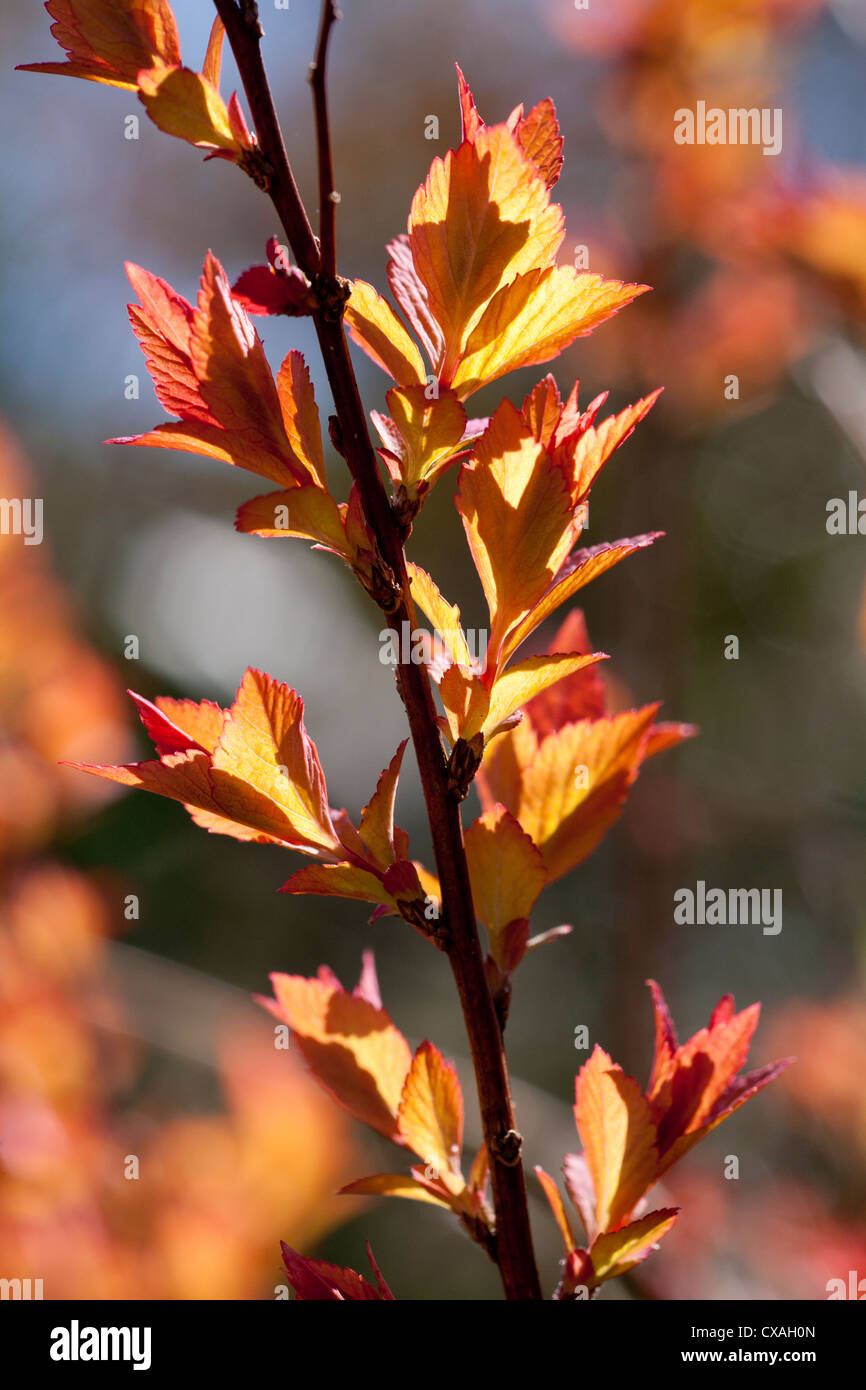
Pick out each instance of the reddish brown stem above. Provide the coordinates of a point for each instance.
(328, 196)
(514, 1252)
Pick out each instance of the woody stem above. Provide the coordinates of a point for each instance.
(514, 1252)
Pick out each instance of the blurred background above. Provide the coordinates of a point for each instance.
(131, 943)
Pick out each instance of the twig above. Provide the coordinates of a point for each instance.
(328, 196)
(515, 1254)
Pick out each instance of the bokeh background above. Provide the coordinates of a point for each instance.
(136, 1035)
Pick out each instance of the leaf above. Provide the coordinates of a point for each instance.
(377, 818)
(470, 119)
(340, 881)
(430, 1118)
(580, 695)
(538, 135)
(314, 1280)
(110, 41)
(618, 1136)
(520, 684)
(411, 296)
(696, 1086)
(264, 290)
(264, 742)
(209, 367)
(429, 432)
(392, 1185)
(533, 318)
(184, 104)
(482, 217)
(506, 872)
(578, 1185)
(301, 416)
(261, 775)
(575, 788)
(517, 515)
(443, 616)
(551, 1192)
(615, 1252)
(374, 326)
(306, 512)
(229, 362)
(351, 1047)
(596, 444)
(212, 65)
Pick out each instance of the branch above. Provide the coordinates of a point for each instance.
(241, 21)
(328, 196)
(514, 1250)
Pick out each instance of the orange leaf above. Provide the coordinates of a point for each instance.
(301, 415)
(110, 41)
(517, 514)
(618, 1135)
(377, 818)
(307, 512)
(430, 1118)
(575, 788)
(350, 1046)
(374, 326)
(411, 296)
(551, 1192)
(210, 68)
(340, 881)
(393, 1185)
(482, 217)
(538, 135)
(505, 869)
(596, 444)
(209, 367)
(261, 775)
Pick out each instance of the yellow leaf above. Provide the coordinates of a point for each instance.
(183, 103)
(615, 1252)
(430, 1118)
(533, 318)
(430, 429)
(466, 701)
(443, 616)
(515, 687)
(375, 327)
(580, 569)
